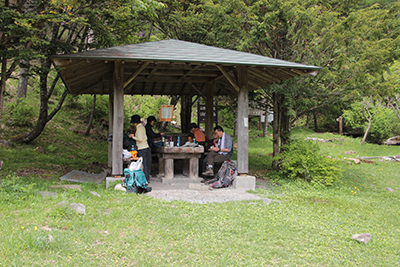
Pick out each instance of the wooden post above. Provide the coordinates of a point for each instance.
(209, 109)
(161, 165)
(340, 120)
(243, 122)
(276, 125)
(186, 113)
(169, 168)
(110, 124)
(194, 167)
(118, 121)
(265, 126)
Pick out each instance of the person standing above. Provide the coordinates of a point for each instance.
(143, 147)
(151, 120)
(219, 154)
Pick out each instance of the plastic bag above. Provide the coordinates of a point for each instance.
(136, 165)
(126, 154)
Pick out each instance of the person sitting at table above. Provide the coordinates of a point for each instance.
(212, 142)
(143, 148)
(198, 134)
(221, 153)
(151, 120)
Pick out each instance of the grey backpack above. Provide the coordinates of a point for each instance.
(225, 176)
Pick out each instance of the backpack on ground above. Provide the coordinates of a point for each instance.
(135, 181)
(225, 176)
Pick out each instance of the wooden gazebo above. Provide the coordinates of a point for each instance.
(173, 67)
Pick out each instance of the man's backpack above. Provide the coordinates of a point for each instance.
(225, 176)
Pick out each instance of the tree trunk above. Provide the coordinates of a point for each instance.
(366, 132)
(315, 122)
(285, 127)
(308, 121)
(91, 116)
(2, 83)
(45, 95)
(23, 79)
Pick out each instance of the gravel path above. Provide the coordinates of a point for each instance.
(203, 196)
(191, 190)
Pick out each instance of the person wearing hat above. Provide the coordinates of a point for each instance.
(142, 146)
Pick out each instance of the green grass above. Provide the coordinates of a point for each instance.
(312, 226)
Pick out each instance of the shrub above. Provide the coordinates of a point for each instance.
(23, 112)
(385, 124)
(301, 160)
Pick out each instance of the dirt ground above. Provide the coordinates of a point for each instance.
(192, 190)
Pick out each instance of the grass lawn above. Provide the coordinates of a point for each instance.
(311, 226)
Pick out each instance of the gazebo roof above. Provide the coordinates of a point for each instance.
(171, 67)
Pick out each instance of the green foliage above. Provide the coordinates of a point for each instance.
(385, 124)
(227, 117)
(13, 187)
(144, 106)
(353, 117)
(301, 160)
(101, 109)
(23, 112)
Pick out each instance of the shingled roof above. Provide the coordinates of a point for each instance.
(171, 67)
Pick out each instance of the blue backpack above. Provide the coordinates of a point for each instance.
(135, 178)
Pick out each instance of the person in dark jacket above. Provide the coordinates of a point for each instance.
(151, 120)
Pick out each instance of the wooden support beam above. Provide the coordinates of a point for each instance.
(110, 123)
(198, 91)
(155, 68)
(209, 109)
(243, 122)
(189, 72)
(228, 77)
(182, 88)
(118, 118)
(186, 112)
(136, 73)
(195, 100)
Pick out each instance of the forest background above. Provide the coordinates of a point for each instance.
(355, 42)
(305, 224)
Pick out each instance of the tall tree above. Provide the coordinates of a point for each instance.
(64, 26)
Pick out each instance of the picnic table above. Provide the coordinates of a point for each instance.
(190, 156)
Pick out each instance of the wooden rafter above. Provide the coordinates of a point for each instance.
(136, 73)
(197, 90)
(229, 78)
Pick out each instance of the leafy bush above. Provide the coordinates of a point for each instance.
(301, 160)
(385, 124)
(23, 112)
